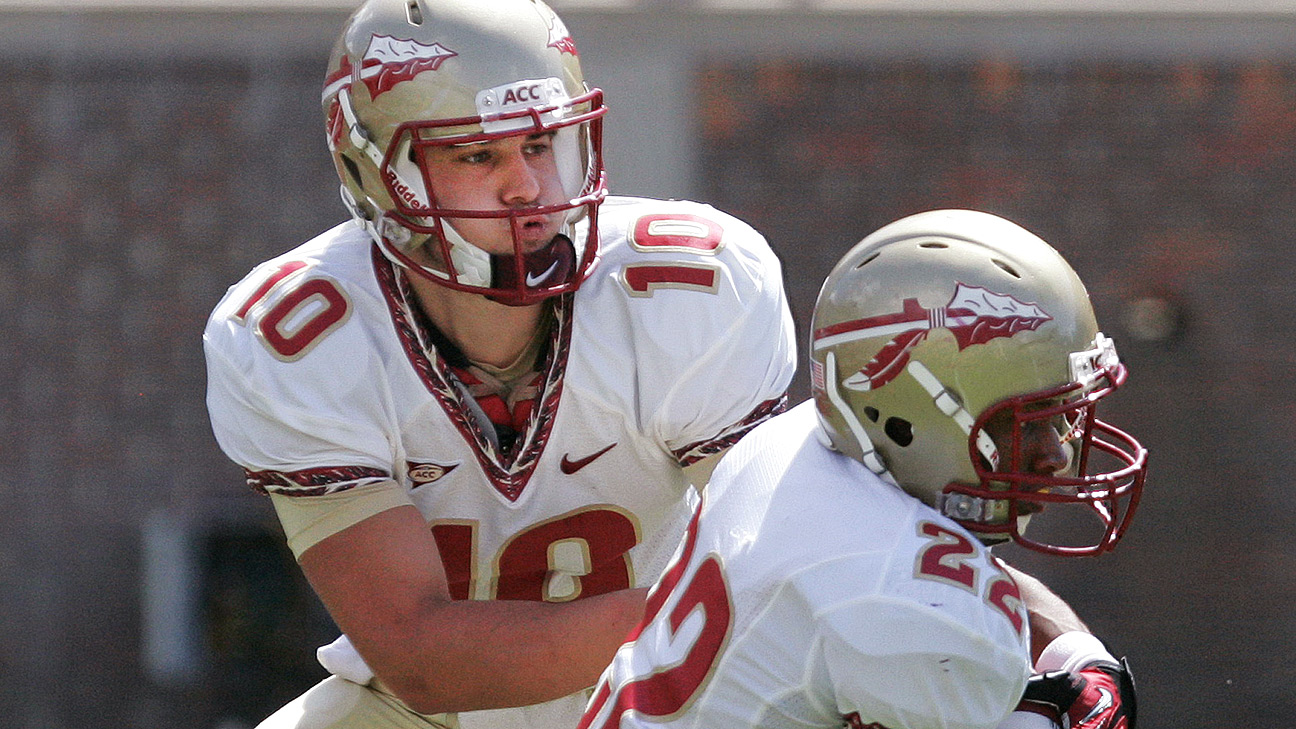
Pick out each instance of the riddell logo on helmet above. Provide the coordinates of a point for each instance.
(403, 191)
(974, 315)
(388, 61)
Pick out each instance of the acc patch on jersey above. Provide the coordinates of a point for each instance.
(422, 474)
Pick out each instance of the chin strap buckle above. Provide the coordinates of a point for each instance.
(963, 507)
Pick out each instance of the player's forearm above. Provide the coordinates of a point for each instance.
(469, 655)
(382, 581)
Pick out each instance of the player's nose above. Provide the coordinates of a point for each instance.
(519, 182)
(1042, 448)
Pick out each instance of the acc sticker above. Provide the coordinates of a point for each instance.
(422, 474)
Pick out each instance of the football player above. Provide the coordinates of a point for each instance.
(479, 406)
(837, 572)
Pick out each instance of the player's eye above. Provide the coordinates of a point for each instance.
(539, 144)
(1069, 423)
(474, 159)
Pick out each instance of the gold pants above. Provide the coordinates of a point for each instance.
(336, 703)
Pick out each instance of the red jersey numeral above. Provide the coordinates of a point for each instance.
(704, 602)
(526, 567)
(1003, 593)
(673, 232)
(642, 279)
(946, 559)
(676, 231)
(301, 317)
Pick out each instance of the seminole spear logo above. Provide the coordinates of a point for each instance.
(974, 315)
(387, 61)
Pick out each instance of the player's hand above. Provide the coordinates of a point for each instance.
(1100, 696)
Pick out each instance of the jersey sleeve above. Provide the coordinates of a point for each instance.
(306, 522)
(932, 638)
(734, 345)
(311, 425)
(288, 416)
(750, 364)
(924, 670)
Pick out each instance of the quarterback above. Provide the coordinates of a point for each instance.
(837, 572)
(480, 406)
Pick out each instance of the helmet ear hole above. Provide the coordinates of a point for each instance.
(899, 430)
(871, 413)
(352, 170)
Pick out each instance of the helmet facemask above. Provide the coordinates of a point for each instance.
(431, 238)
(1100, 483)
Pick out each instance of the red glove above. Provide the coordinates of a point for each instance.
(1100, 696)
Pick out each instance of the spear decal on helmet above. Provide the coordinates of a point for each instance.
(389, 61)
(974, 315)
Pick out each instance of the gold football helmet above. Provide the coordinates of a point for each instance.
(408, 77)
(940, 341)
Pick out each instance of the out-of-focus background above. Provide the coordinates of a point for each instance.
(151, 152)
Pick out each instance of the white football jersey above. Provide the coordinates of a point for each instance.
(322, 379)
(809, 593)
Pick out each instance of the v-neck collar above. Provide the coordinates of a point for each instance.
(429, 352)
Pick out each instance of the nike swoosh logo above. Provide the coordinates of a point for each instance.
(533, 280)
(1104, 703)
(569, 466)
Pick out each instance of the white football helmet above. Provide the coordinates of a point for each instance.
(409, 76)
(946, 321)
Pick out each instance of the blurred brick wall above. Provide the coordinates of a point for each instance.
(135, 193)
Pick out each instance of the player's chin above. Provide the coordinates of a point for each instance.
(1026, 508)
(540, 228)
(538, 239)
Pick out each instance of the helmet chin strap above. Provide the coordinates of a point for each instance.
(474, 267)
(472, 264)
(870, 457)
(950, 406)
(962, 507)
